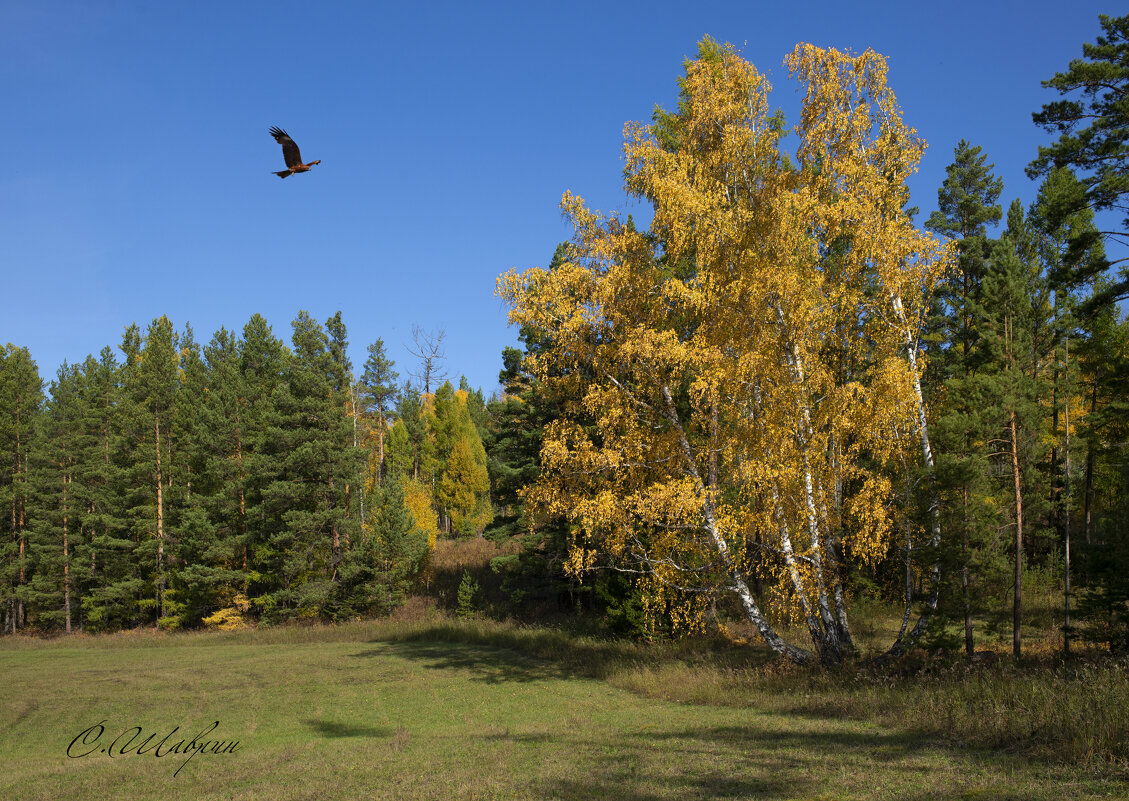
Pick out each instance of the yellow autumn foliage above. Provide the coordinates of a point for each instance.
(417, 498)
(230, 618)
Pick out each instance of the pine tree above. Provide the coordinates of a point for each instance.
(346, 472)
(378, 394)
(21, 397)
(1011, 310)
(56, 526)
(518, 421)
(967, 205)
(304, 502)
(109, 567)
(1093, 128)
(263, 364)
(1104, 601)
(209, 480)
(419, 447)
(1060, 237)
(150, 383)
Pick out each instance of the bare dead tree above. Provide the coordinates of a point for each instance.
(427, 347)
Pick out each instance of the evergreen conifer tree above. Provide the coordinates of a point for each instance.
(56, 521)
(967, 205)
(21, 397)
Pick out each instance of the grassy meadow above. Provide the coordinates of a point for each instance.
(429, 707)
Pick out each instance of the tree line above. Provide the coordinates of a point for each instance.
(242, 480)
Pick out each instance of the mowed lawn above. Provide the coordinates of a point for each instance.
(349, 713)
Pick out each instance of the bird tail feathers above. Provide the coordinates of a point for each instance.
(283, 173)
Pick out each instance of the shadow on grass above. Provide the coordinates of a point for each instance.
(502, 653)
(820, 702)
(329, 728)
(760, 762)
(485, 663)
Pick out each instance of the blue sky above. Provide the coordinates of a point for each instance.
(138, 175)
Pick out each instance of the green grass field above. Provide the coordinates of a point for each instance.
(445, 710)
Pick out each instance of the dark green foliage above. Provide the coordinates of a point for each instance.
(1093, 126)
(968, 202)
(184, 481)
(377, 394)
(379, 571)
(534, 578)
(1104, 604)
(306, 507)
(476, 406)
(150, 383)
(212, 526)
(105, 553)
(516, 421)
(1103, 491)
(53, 531)
(413, 452)
(378, 381)
(21, 396)
(467, 599)
(623, 609)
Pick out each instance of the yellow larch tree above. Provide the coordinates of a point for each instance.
(736, 375)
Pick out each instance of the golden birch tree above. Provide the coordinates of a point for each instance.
(741, 369)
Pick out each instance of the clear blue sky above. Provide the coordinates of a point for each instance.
(137, 179)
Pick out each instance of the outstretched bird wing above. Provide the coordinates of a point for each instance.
(290, 153)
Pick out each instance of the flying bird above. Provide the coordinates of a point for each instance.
(290, 154)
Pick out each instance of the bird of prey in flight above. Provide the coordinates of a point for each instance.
(290, 154)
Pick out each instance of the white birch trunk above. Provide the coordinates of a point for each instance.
(826, 636)
(739, 585)
(901, 645)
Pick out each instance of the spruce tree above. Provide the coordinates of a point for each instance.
(392, 550)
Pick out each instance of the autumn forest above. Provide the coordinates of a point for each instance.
(787, 396)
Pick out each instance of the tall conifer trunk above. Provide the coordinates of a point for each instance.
(336, 556)
(1017, 481)
(160, 522)
(1017, 607)
(1066, 514)
(1088, 488)
(242, 505)
(66, 561)
(966, 599)
(19, 519)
